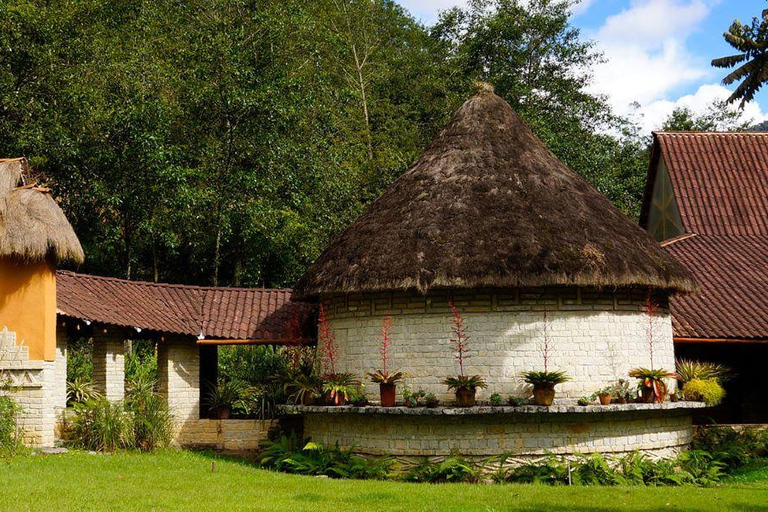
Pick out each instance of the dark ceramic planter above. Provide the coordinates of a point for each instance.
(465, 397)
(388, 394)
(543, 395)
(223, 413)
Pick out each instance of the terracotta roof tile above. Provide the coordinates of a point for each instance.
(218, 313)
(733, 274)
(720, 180)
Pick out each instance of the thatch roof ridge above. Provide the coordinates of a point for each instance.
(488, 205)
(32, 226)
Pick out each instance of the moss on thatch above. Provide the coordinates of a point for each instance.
(32, 226)
(488, 205)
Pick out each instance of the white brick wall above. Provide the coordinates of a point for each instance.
(595, 338)
(36, 386)
(109, 365)
(661, 433)
(178, 366)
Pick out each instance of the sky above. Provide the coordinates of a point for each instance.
(658, 52)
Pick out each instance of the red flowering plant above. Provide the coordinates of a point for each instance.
(651, 383)
(464, 385)
(337, 386)
(383, 375)
(302, 384)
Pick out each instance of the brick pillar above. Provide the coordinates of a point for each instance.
(109, 364)
(60, 375)
(178, 371)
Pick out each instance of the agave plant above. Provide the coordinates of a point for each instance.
(545, 379)
(470, 382)
(304, 388)
(338, 386)
(385, 377)
(80, 391)
(652, 383)
(688, 370)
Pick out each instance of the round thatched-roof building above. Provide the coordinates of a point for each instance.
(489, 219)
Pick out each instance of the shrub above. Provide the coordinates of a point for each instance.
(313, 459)
(80, 360)
(708, 391)
(515, 401)
(80, 391)
(10, 438)
(688, 370)
(101, 425)
(732, 447)
(152, 419)
(551, 471)
(453, 469)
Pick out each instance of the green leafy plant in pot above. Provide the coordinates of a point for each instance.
(222, 397)
(544, 383)
(338, 387)
(651, 384)
(304, 389)
(465, 386)
(386, 380)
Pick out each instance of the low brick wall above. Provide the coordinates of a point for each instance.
(662, 430)
(230, 435)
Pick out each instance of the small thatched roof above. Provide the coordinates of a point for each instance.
(488, 205)
(32, 226)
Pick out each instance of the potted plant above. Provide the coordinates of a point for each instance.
(465, 386)
(387, 381)
(651, 384)
(622, 392)
(544, 384)
(515, 401)
(338, 386)
(431, 401)
(495, 400)
(304, 389)
(604, 395)
(411, 399)
(222, 397)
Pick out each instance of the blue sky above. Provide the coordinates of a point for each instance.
(658, 51)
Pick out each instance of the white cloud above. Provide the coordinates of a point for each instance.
(656, 112)
(582, 7)
(427, 10)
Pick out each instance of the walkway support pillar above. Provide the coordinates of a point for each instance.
(109, 363)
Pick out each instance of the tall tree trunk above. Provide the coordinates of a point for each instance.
(363, 100)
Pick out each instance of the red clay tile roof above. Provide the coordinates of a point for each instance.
(720, 180)
(217, 313)
(733, 274)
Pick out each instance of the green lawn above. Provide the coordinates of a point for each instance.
(184, 481)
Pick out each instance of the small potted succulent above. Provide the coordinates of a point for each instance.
(604, 395)
(622, 392)
(431, 401)
(544, 385)
(515, 401)
(495, 400)
(386, 380)
(411, 399)
(338, 387)
(651, 384)
(465, 386)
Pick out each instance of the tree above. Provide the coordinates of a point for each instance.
(751, 41)
(718, 116)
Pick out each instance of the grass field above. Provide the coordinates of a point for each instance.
(185, 481)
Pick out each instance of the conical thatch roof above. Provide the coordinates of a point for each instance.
(488, 205)
(32, 226)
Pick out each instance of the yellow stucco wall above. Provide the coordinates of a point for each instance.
(28, 305)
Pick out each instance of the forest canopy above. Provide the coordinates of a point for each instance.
(226, 142)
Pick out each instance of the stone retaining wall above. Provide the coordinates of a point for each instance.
(662, 432)
(38, 387)
(231, 435)
(595, 336)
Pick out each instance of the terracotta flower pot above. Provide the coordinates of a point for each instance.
(465, 397)
(605, 399)
(307, 399)
(543, 395)
(388, 394)
(223, 413)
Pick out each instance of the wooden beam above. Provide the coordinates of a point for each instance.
(755, 341)
(277, 341)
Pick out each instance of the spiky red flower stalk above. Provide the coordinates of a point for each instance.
(650, 310)
(545, 344)
(460, 340)
(384, 345)
(327, 340)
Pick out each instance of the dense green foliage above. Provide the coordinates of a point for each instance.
(226, 142)
(10, 441)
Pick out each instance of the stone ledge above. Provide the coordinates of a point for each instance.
(487, 409)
